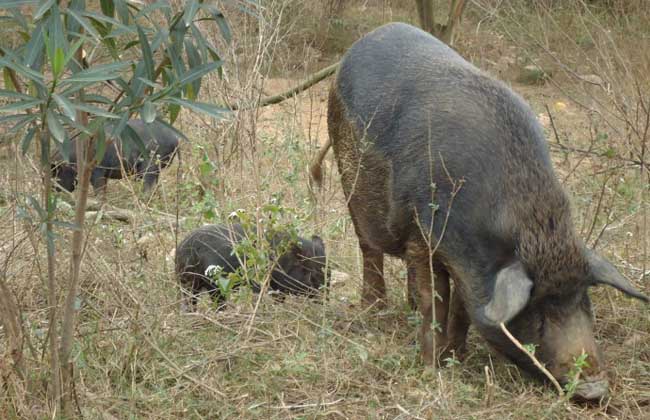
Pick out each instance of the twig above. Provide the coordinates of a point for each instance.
(296, 406)
(597, 154)
(550, 117)
(532, 357)
(311, 80)
(405, 411)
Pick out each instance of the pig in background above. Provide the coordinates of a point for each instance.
(161, 145)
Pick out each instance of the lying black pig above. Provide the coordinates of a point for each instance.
(301, 270)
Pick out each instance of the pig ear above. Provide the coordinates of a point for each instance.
(603, 272)
(511, 293)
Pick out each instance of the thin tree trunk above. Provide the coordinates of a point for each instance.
(52, 298)
(456, 9)
(85, 157)
(425, 13)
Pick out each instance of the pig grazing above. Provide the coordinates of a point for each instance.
(299, 271)
(161, 144)
(433, 152)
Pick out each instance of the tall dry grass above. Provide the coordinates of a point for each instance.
(137, 355)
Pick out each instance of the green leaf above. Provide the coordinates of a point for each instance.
(174, 110)
(220, 20)
(55, 126)
(199, 71)
(12, 118)
(42, 9)
(10, 4)
(66, 106)
(86, 25)
(21, 105)
(23, 71)
(122, 11)
(95, 110)
(72, 50)
(150, 8)
(190, 11)
(132, 138)
(108, 7)
(99, 73)
(34, 49)
(147, 56)
(148, 112)
(27, 140)
(211, 110)
(6, 75)
(99, 99)
(14, 94)
(59, 63)
(27, 119)
(109, 20)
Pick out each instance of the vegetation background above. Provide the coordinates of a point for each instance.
(584, 66)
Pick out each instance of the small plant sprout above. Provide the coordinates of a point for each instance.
(530, 348)
(579, 364)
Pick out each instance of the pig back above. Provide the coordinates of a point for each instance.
(436, 120)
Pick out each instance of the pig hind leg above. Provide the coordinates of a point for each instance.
(458, 326)
(374, 286)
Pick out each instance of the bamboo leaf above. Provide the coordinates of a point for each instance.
(59, 62)
(27, 140)
(66, 106)
(55, 126)
(174, 110)
(10, 4)
(218, 17)
(23, 71)
(42, 9)
(14, 94)
(88, 27)
(98, 73)
(147, 56)
(199, 71)
(190, 11)
(21, 105)
(108, 7)
(211, 110)
(95, 110)
(6, 75)
(148, 112)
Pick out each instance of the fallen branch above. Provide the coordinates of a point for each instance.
(275, 99)
(533, 358)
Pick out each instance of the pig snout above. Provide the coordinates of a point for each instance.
(591, 389)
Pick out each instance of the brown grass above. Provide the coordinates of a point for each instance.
(137, 356)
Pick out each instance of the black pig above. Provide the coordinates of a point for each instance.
(161, 144)
(434, 152)
(300, 270)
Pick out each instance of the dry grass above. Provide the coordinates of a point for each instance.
(137, 356)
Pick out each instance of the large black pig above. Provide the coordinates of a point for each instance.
(301, 270)
(433, 152)
(161, 144)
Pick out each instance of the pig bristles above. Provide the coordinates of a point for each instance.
(533, 358)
